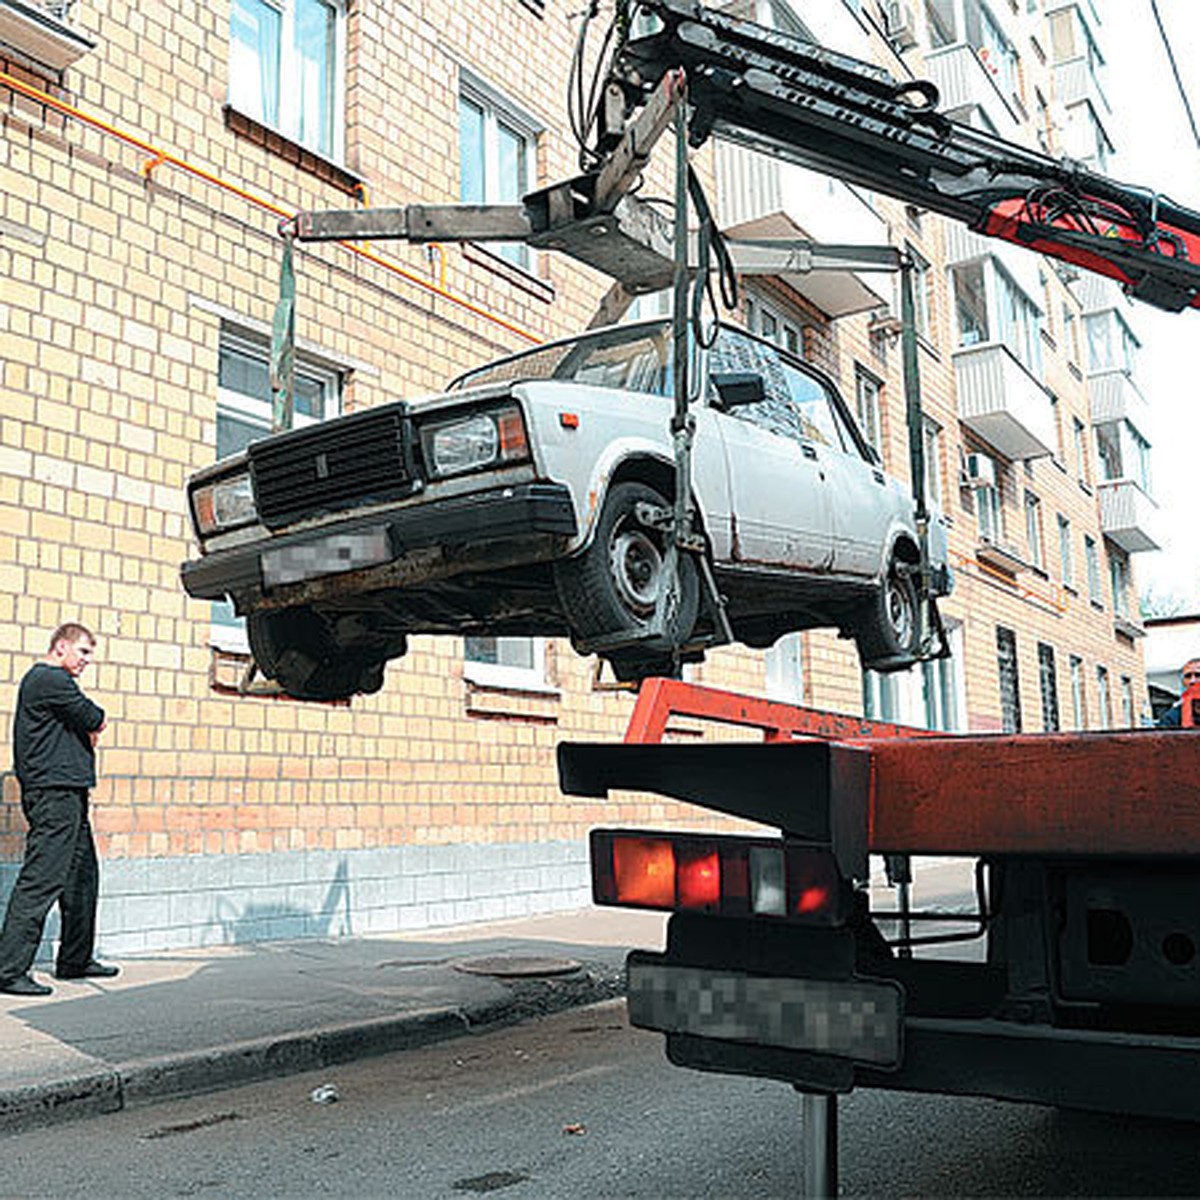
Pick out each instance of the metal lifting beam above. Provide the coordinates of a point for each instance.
(779, 94)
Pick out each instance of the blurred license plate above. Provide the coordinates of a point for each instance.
(326, 556)
(858, 1019)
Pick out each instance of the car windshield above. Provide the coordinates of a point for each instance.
(632, 358)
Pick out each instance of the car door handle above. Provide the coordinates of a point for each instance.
(809, 451)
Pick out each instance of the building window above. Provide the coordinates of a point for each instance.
(1083, 464)
(286, 68)
(1033, 530)
(970, 305)
(922, 304)
(1126, 702)
(1066, 557)
(939, 693)
(772, 324)
(990, 513)
(1048, 683)
(510, 662)
(866, 402)
(1078, 693)
(1019, 322)
(1092, 556)
(496, 147)
(1118, 574)
(244, 416)
(1010, 682)
(931, 431)
(1070, 333)
(1104, 697)
(881, 696)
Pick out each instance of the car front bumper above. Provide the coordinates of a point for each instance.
(509, 514)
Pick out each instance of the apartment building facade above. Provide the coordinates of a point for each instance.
(148, 154)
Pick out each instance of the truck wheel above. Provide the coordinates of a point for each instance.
(612, 588)
(295, 647)
(889, 630)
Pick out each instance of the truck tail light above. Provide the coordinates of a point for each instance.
(726, 876)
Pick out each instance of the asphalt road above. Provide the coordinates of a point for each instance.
(579, 1105)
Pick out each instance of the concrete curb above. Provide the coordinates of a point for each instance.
(127, 1085)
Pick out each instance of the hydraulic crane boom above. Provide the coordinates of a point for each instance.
(775, 92)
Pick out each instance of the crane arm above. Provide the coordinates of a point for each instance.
(777, 93)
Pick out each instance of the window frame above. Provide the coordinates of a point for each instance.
(508, 676)
(499, 112)
(288, 89)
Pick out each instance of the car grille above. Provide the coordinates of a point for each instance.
(363, 459)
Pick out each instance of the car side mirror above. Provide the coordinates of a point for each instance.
(736, 388)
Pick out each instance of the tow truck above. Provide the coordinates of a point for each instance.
(1085, 990)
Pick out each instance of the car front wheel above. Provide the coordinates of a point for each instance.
(612, 589)
(889, 633)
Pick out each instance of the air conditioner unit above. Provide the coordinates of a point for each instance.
(981, 471)
(899, 24)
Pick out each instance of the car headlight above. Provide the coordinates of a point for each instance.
(224, 504)
(472, 442)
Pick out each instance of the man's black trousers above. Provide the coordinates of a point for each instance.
(60, 866)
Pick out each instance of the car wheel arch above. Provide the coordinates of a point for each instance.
(651, 469)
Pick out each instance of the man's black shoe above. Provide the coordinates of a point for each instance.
(23, 985)
(93, 970)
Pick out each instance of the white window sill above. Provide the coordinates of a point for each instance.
(508, 679)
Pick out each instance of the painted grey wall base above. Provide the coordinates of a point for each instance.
(148, 905)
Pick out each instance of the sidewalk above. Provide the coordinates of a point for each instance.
(189, 1021)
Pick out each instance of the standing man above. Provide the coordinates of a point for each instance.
(54, 750)
(1173, 717)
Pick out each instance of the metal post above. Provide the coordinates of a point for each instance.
(820, 1144)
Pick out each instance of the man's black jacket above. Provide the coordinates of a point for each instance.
(51, 742)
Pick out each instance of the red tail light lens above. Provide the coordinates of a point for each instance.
(698, 878)
(729, 876)
(644, 872)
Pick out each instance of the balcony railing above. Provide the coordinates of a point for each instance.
(964, 82)
(1128, 517)
(1075, 82)
(1115, 398)
(1001, 402)
(762, 197)
(39, 32)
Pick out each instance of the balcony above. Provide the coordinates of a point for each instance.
(964, 82)
(1002, 403)
(1128, 517)
(1075, 82)
(1115, 398)
(39, 33)
(762, 197)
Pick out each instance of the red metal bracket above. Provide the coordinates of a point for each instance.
(660, 699)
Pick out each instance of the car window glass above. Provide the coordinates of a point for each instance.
(734, 352)
(629, 358)
(817, 420)
(639, 366)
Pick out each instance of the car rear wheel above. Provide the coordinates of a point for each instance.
(612, 589)
(889, 632)
(299, 649)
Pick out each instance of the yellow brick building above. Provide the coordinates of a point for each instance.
(148, 154)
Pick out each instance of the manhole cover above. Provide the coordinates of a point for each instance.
(510, 966)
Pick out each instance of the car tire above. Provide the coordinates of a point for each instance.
(889, 631)
(612, 588)
(294, 647)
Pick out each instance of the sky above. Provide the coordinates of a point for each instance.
(1155, 148)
